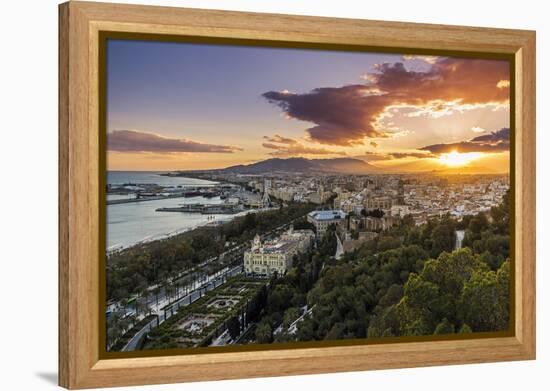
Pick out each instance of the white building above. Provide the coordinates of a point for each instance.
(267, 258)
(322, 219)
(399, 210)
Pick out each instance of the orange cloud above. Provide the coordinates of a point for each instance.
(349, 114)
(280, 139)
(498, 141)
(285, 147)
(378, 156)
(503, 84)
(492, 142)
(428, 59)
(135, 141)
(477, 129)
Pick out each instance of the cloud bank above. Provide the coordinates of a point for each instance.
(377, 156)
(349, 114)
(284, 147)
(495, 142)
(135, 141)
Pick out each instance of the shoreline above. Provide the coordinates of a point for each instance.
(158, 237)
(152, 178)
(160, 175)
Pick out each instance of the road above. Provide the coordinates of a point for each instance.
(160, 300)
(234, 255)
(163, 307)
(171, 308)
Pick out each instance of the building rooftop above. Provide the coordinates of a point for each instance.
(321, 215)
(275, 247)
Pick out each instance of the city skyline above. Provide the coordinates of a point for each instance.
(358, 242)
(181, 106)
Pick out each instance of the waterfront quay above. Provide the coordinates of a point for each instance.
(144, 198)
(204, 209)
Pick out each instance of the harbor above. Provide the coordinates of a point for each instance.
(205, 209)
(138, 204)
(153, 196)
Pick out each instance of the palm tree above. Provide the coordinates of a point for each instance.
(114, 330)
(156, 292)
(178, 289)
(142, 306)
(113, 333)
(132, 320)
(124, 325)
(124, 304)
(169, 289)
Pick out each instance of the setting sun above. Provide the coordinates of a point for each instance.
(456, 159)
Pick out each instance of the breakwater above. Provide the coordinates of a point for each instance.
(203, 209)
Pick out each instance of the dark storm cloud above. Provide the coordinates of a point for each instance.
(134, 141)
(342, 115)
(347, 115)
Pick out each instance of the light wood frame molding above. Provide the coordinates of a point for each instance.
(80, 365)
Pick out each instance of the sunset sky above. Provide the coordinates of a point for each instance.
(176, 106)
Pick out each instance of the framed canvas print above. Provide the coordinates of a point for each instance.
(247, 195)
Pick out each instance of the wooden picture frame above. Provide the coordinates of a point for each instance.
(81, 364)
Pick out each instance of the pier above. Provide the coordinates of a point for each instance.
(196, 192)
(144, 198)
(204, 209)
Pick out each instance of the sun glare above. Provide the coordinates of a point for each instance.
(457, 159)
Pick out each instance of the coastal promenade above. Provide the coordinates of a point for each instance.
(143, 199)
(164, 308)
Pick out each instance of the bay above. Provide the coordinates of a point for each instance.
(153, 177)
(131, 223)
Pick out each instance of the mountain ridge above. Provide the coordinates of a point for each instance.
(343, 165)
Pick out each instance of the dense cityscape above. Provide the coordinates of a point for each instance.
(271, 272)
(265, 195)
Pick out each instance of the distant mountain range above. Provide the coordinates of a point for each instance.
(434, 167)
(344, 165)
(306, 166)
